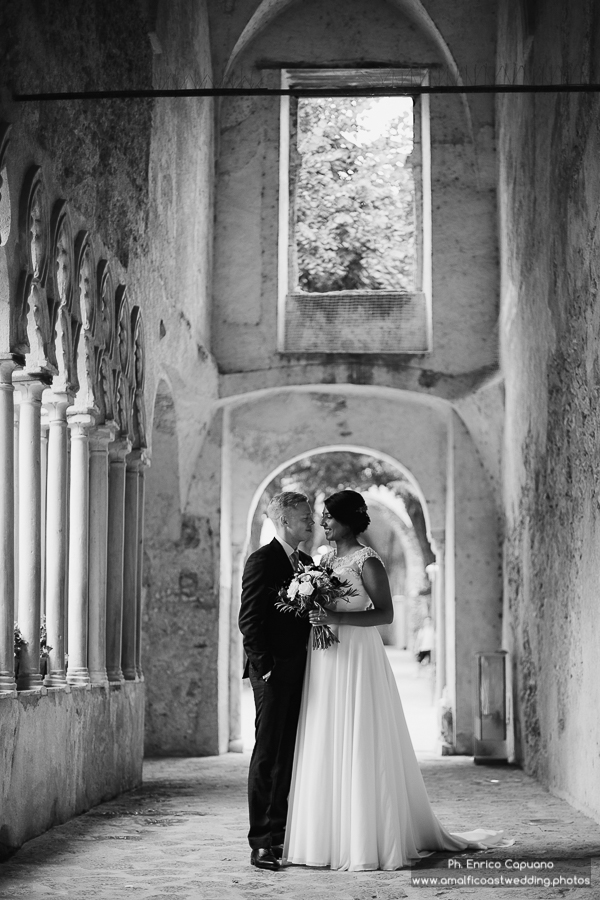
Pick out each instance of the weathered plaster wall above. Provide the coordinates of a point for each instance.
(477, 612)
(550, 196)
(62, 752)
(181, 605)
(465, 274)
(99, 149)
(173, 282)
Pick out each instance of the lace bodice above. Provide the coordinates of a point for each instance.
(350, 568)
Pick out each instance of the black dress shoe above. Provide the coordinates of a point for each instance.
(277, 850)
(263, 858)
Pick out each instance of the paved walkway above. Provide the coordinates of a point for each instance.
(182, 835)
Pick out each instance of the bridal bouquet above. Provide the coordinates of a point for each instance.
(314, 587)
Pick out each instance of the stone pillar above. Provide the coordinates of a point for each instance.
(7, 510)
(118, 452)
(17, 408)
(77, 670)
(140, 567)
(56, 535)
(44, 425)
(30, 549)
(130, 565)
(100, 438)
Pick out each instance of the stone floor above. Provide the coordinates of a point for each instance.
(182, 835)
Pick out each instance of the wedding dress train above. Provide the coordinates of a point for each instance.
(357, 799)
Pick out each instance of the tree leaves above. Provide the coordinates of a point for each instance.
(354, 197)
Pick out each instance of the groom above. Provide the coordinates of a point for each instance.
(275, 644)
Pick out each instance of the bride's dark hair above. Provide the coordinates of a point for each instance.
(349, 508)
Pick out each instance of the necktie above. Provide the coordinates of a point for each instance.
(295, 559)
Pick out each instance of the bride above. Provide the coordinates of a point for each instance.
(357, 799)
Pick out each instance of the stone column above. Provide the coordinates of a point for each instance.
(77, 670)
(7, 510)
(44, 425)
(56, 535)
(140, 567)
(118, 452)
(130, 565)
(17, 416)
(100, 438)
(30, 549)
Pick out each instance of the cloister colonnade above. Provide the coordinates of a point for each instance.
(72, 459)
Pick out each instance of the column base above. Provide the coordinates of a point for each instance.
(130, 674)
(79, 676)
(115, 676)
(99, 677)
(30, 681)
(7, 683)
(56, 679)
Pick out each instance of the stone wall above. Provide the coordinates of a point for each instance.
(69, 749)
(549, 149)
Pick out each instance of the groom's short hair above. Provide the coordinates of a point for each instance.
(285, 500)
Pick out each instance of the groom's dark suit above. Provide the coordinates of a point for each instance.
(274, 642)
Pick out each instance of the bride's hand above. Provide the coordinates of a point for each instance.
(322, 617)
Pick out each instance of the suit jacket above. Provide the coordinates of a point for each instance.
(268, 632)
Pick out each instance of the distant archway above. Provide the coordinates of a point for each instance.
(238, 558)
(397, 530)
(345, 448)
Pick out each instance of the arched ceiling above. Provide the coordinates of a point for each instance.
(268, 10)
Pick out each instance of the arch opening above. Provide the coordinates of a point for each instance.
(398, 532)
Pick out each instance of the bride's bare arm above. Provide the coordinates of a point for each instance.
(376, 583)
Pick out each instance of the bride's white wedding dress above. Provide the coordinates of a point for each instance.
(357, 799)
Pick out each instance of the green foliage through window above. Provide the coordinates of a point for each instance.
(354, 197)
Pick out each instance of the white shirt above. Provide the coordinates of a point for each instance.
(288, 549)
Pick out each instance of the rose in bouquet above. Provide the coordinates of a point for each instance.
(315, 587)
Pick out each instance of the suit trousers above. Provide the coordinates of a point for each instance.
(277, 704)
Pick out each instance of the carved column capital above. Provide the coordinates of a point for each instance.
(8, 364)
(30, 388)
(101, 436)
(138, 460)
(119, 450)
(56, 405)
(80, 425)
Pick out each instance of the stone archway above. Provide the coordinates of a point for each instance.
(262, 432)
(239, 552)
